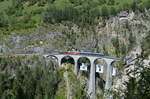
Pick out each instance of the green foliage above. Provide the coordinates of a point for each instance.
(104, 11)
(91, 8)
(132, 41)
(146, 46)
(138, 85)
(81, 12)
(116, 44)
(131, 87)
(60, 94)
(76, 87)
(123, 49)
(3, 20)
(56, 14)
(139, 88)
(144, 84)
(32, 78)
(19, 81)
(120, 47)
(105, 51)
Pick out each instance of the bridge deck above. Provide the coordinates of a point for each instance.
(15, 55)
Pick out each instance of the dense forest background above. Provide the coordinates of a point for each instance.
(24, 14)
(34, 77)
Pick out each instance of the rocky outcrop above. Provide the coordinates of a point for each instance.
(94, 38)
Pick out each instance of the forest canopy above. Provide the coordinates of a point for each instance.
(24, 14)
(18, 80)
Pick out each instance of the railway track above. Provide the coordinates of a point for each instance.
(16, 55)
(61, 53)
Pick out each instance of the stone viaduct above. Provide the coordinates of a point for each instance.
(92, 79)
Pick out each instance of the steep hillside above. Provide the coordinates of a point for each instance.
(113, 36)
(119, 28)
